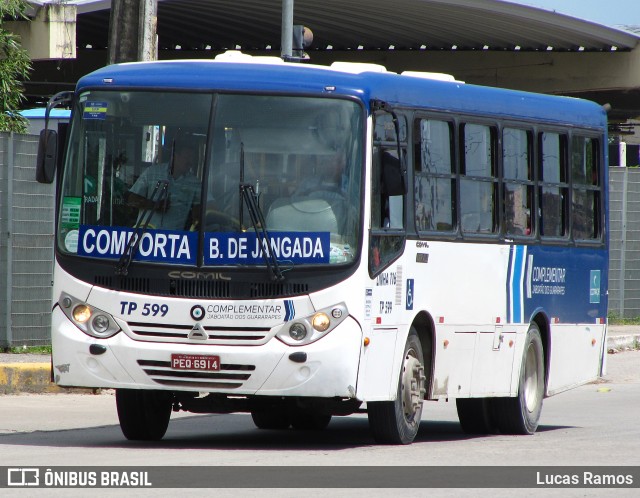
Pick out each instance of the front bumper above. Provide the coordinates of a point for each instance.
(330, 369)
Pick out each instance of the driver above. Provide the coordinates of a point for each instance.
(178, 209)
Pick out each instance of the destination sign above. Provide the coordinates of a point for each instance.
(167, 246)
(224, 248)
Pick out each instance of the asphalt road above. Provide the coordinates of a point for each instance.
(592, 425)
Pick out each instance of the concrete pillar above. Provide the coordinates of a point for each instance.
(51, 34)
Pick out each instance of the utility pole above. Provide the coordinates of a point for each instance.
(294, 37)
(286, 40)
(133, 31)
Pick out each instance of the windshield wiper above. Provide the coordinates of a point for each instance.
(158, 197)
(248, 194)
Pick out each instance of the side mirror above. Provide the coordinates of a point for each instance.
(393, 180)
(47, 156)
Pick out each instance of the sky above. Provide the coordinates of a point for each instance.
(607, 12)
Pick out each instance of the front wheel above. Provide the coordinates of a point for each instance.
(271, 419)
(143, 415)
(520, 415)
(397, 422)
(308, 420)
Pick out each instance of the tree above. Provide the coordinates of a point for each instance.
(15, 66)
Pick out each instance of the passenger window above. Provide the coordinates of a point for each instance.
(478, 183)
(434, 179)
(586, 191)
(518, 182)
(553, 187)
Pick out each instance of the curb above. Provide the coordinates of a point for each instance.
(618, 342)
(36, 377)
(31, 378)
(26, 377)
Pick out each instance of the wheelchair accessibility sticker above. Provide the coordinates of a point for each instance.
(409, 299)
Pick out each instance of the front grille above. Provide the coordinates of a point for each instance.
(230, 376)
(226, 336)
(205, 289)
(268, 289)
(199, 288)
(127, 284)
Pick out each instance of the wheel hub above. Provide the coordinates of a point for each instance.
(413, 386)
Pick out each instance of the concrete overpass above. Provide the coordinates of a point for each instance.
(488, 42)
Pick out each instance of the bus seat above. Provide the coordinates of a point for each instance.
(302, 215)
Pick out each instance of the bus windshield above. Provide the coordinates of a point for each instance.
(167, 167)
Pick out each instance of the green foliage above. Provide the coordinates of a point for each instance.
(15, 66)
(29, 350)
(615, 319)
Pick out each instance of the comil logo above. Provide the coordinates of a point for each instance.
(23, 477)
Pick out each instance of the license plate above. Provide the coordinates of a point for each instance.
(195, 362)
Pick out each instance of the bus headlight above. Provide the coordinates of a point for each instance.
(100, 323)
(298, 331)
(82, 313)
(320, 322)
(92, 321)
(308, 329)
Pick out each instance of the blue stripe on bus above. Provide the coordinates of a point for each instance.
(290, 310)
(508, 284)
(516, 284)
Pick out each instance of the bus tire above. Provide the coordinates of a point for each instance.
(475, 415)
(307, 420)
(398, 421)
(144, 415)
(272, 419)
(521, 414)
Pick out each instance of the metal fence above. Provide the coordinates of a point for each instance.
(624, 236)
(26, 241)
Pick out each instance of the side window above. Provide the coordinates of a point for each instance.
(434, 179)
(518, 181)
(387, 235)
(553, 187)
(586, 196)
(478, 182)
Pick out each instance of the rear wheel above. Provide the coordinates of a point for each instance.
(143, 415)
(397, 422)
(475, 415)
(520, 415)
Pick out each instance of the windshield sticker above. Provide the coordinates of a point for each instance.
(71, 241)
(165, 246)
(95, 110)
(70, 216)
(222, 248)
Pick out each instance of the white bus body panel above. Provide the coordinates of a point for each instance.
(576, 356)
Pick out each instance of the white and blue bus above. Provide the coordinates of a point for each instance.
(300, 242)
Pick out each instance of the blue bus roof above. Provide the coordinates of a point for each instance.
(398, 90)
